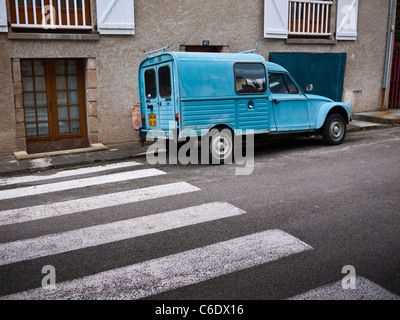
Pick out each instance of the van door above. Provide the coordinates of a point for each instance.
(166, 96)
(151, 101)
(290, 104)
(159, 102)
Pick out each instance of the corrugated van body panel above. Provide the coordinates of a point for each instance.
(256, 118)
(205, 114)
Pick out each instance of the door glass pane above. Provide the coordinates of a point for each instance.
(74, 112)
(44, 129)
(27, 84)
(61, 83)
(62, 113)
(42, 114)
(41, 99)
(164, 82)
(71, 67)
(31, 130)
(72, 82)
(26, 68)
(29, 99)
(63, 127)
(75, 126)
(30, 115)
(277, 84)
(150, 83)
(62, 97)
(39, 68)
(60, 67)
(73, 97)
(40, 84)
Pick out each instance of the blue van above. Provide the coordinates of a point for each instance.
(229, 94)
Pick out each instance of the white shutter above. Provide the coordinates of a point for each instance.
(276, 16)
(3, 16)
(115, 17)
(347, 17)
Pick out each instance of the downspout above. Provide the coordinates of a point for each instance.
(388, 47)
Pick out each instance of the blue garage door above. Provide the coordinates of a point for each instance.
(325, 71)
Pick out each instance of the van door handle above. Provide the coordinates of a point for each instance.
(276, 101)
(150, 106)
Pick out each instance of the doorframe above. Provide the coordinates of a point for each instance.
(91, 94)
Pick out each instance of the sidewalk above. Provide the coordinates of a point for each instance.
(11, 166)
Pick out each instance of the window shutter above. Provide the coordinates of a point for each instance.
(3, 16)
(276, 16)
(115, 17)
(347, 16)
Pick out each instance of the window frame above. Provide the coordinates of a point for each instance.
(159, 83)
(265, 78)
(155, 82)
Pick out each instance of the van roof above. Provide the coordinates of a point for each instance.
(181, 56)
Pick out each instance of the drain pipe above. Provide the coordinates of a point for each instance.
(388, 47)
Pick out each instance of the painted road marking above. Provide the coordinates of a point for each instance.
(171, 272)
(68, 173)
(78, 183)
(126, 229)
(98, 202)
(364, 290)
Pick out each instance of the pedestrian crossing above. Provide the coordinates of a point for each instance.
(141, 279)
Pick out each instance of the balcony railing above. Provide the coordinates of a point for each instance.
(50, 14)
(309, 17)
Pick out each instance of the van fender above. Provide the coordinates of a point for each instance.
(327, 108)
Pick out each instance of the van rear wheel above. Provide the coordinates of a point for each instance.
(221, 146)
(334, 129)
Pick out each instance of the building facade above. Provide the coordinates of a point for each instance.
(68, 68)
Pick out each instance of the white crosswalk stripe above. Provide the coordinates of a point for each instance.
(79, 183)
(98, 202)
(150, 277)
(163, 274)
(93, 236)
(364, 290)
(68, 173)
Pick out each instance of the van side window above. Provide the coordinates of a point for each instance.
(281, 83)
(250, 78)
(164, 82)
(150, 83)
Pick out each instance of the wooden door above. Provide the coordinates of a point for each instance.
(54, 104)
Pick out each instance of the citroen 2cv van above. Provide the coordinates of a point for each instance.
(230, 93)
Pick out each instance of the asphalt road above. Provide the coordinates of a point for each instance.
(340, 203)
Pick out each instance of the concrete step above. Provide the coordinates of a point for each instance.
(389, 117)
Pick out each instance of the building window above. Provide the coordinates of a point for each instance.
(309, 18)
(50, 15)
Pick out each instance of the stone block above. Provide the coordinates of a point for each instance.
(92, 109)
(93, 126)
(91, 79)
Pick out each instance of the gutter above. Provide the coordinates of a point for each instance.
(388, 47)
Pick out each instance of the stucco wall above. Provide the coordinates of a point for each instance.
(238, 24)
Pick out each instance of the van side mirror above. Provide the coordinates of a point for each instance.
(310, 87)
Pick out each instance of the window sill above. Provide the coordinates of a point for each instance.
(311, 41)
(53, 36)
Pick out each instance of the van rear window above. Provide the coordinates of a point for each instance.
(250, 78)
(150, 83)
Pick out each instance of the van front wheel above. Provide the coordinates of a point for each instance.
(221, 146)
(334, 129)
